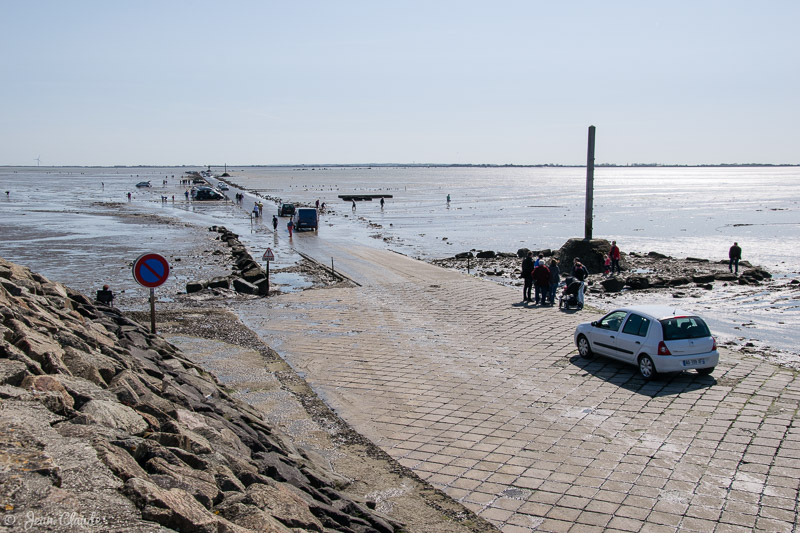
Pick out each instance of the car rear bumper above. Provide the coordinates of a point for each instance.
(678, 363)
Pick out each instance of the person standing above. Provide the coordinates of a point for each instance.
(541, 283)
(105, 296)
(527, 277)
(734, 256)
(382, 202)
(615, 256)
(606, 265)
(555, 280)
(290, 227)
(274, 223)
(579, 271)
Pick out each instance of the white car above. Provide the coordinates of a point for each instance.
(656, 338)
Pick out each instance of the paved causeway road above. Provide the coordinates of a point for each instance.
(488, 401)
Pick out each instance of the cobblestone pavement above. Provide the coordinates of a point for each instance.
(487, 399)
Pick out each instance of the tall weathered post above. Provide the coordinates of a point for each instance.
(587, 233)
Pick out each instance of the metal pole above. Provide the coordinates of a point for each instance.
(267, 277)
(152, 310)
(332, 270)
(587, 234)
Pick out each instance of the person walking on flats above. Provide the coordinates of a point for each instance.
(734, 256)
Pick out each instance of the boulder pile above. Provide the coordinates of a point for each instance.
(248, 277)
(106, 426)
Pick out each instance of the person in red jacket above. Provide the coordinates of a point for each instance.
(615, 255)
(541, 283)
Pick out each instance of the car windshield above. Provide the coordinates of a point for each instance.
(684, 327)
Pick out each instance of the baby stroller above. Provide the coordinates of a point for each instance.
(572, 295)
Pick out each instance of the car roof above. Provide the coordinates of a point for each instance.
(657, 311)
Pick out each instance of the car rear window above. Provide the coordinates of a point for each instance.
(684, 327)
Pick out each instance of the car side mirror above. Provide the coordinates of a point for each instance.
(594, 323)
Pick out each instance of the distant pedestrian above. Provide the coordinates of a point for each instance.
(579, 271)
(290, 227)
(274, 223)
(541, 283)
(539, 260)
(7, 194)
(555, 280)
(448, 198)
(354, 205)
(260, 209)
(734, 256)
(606, 265)
(615, 256)
(382, 203)
(129, 196)
(186, 193)
(317, 203)
(527, 277)
(255, 211)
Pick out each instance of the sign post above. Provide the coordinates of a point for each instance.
(268, 256)
(151, 270)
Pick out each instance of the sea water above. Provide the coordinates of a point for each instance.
(678, 211)
(61, 221)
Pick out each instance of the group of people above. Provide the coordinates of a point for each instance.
(540, 279)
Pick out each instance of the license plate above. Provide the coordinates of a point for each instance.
(693, 362)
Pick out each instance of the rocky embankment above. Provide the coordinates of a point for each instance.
(106, 427)
(639, 271)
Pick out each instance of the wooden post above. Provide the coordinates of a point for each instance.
(587, 234)
(152, 310)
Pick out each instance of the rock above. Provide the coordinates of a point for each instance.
(252, 518)
(656, 255)
(758, 274)
(677, 281)
(703, 278)
(244, 287)
(612, 284)
(118, 460)
(219, 283)
(50, 384)
(115, 415)
(638, 282)
(199, 484)
(725, 276)
(172, 508)
(196, 286)
(487, 254)
(464, 255)
(522, 253)
(12, 372)
(590, 252)
(283, 503)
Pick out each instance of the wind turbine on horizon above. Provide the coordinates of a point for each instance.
(37, 160)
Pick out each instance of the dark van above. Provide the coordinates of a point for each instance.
(305, 218)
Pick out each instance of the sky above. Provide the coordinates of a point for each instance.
(434, 81)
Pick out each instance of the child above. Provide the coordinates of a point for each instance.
(606, 265)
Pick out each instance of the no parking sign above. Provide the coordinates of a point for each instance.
(151, 270)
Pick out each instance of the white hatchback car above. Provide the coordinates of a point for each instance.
(656, 338)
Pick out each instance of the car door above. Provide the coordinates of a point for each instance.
(632, 337)
(604, 333)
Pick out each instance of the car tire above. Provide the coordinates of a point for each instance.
(647, 369)
(584, 349)
(705, 371)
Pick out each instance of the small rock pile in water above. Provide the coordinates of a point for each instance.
(247, 278)
(107, 427)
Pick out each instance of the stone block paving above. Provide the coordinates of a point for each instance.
(487, 400)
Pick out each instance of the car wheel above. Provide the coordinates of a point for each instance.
(646, 368)
(583, 347)
(705, 371)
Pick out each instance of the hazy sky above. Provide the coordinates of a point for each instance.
(284, 82)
